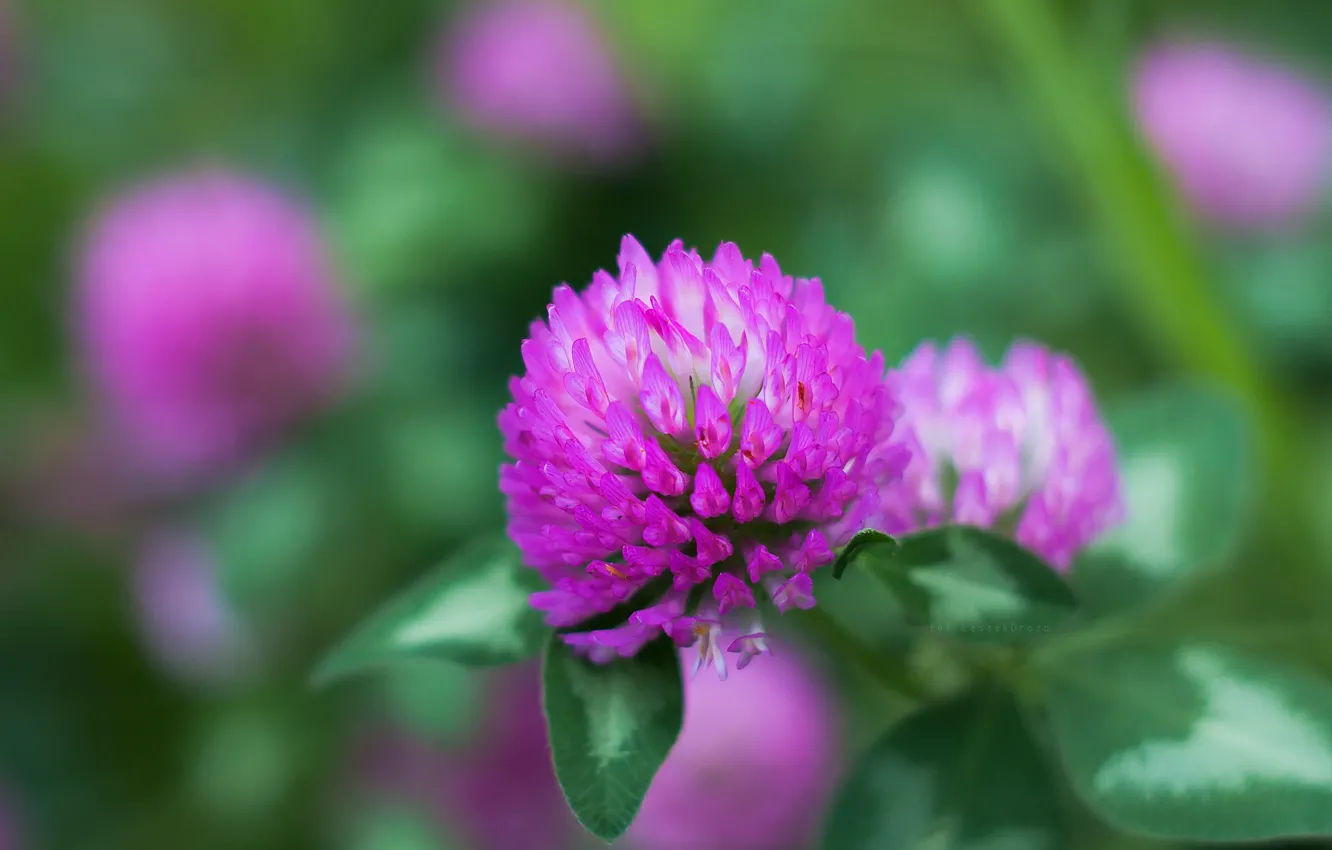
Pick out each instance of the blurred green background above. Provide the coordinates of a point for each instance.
(945, 166)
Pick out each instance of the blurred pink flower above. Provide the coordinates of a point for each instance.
(499, 789)
(753, 769)
(1021, 446)
(540, 72)
(1246, 141)
(208, 318)
(186, 622)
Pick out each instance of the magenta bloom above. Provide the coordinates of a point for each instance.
(706, 425)
(187, 624)
(538, 71)
(209, 318)
(1246, 141)
(753, 768)
(1023, 443)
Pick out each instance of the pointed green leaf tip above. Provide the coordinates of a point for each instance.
(473, 610)
(611, 727)
(959, 775)
(865, 541)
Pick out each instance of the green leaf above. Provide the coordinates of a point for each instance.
(975, 585)
(864, 542)
(1184, 454)
(961, 775)
(611, 727)
(1193, 741)
(473, 610)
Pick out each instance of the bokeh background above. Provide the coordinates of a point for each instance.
(265, 266)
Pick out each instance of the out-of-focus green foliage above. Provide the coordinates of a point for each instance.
(961, 774)
(1188, 468)
(886, 147)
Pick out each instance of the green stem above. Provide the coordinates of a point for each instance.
(887, 670)
(1165, 280)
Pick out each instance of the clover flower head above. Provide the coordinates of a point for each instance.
(691, 433)
(1020, 447)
